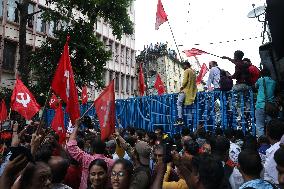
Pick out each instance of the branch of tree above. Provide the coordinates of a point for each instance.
(19, 5)
(31, 15)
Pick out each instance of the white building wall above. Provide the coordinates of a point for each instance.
(122, 64)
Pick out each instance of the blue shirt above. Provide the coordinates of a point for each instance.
(270, 89)
(214, 78)
(257, 184)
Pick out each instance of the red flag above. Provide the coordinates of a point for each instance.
(57, 124)
(3, 111)
(84, 95)
(53, 102)
(159, 85)
(161, 15)
(23, 101)
(63, 85)
(142, 87)
(105, 108)
(194, 52)
(202, 73)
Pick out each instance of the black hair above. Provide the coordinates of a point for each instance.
(263, 139)
(239, 54)
(131, 130)
(127, 165)
(279, 157)
(214, 63)
(265, 72)
(98, 162)
(250, 143)
(152, 136)
(185, 131)
(220, 147)
(229, 133)
(44, 153)
(247, 60)
(99, 146)
(140, 133)
(58, 173)
(275, 129)
(28, 174)
(160, 128)
(210, 170)
(218, 131)
(80, 143)
(130, 141)
(201, 133)
(191, 147)
(187, 64)
(239, 135)
(250, 162)
(158, 147)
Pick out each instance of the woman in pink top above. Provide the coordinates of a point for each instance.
(84, 158)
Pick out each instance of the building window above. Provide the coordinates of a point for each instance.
(127, 84)
(116, 53)
(122, 83)
(110, 49)
(116, 81)
(41, 24)
(132, 57)
(9, 56)
(12, 13)
(1, 7)
(30, 23)
(122, 55)
(132, 85)
(110, 76)
(51, 28)
(127, 56)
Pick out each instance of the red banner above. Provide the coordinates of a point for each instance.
(202, 73)
(161, 15)
(105, 109)
(63, 85)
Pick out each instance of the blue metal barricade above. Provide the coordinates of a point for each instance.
(211, 109)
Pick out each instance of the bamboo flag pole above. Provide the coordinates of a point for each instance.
(197, 61)
(87, 110)
(43, 111)
(174, 40)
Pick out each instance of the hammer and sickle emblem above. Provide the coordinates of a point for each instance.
(67, 75)
(22, 100)
(107, 109)
(52, 101)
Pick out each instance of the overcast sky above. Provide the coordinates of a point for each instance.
(202, 22)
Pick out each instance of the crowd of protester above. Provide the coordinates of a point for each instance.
(33, 157)
(136, 159)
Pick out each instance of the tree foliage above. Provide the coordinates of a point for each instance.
(88, 54)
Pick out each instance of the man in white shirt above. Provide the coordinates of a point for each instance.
(274, 132)
(214, 76)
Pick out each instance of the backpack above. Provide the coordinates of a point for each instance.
(254, 73)
(226, 82)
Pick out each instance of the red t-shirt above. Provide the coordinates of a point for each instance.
(73, 176)
(254, 74)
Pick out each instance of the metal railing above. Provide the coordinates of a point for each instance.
(211, 109)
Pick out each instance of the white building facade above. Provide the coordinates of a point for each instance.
(122, 66)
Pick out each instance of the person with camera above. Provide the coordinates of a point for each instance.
(140, 156)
